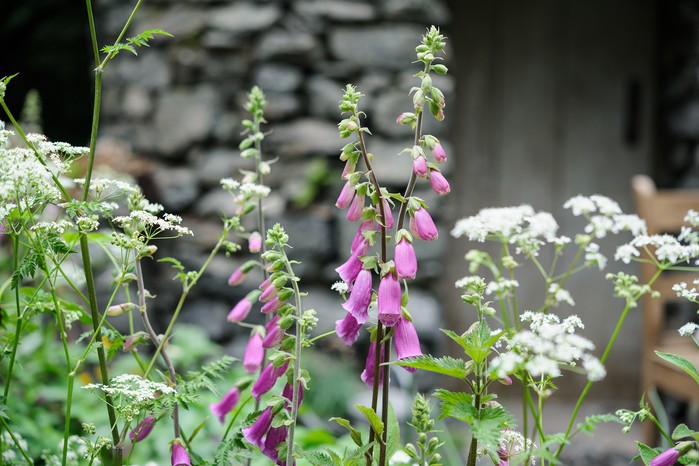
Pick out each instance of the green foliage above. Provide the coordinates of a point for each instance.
(198, 380)
(140, 40)
(445, 365)
(647, 453)
(682, 363)
(682, 431)
(487, 426)
(589, 425)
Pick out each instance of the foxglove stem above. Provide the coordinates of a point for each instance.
(375, 389)
(413, 178)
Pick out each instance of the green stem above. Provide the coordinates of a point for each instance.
(120, 37)
(375, 387)
(14, 439)
(18, 324)
(473, 449)
(235, 416)
(296, 380)
(320, 337)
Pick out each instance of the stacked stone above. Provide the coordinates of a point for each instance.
(179, 104)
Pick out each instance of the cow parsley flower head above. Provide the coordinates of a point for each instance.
(688, 329)
(667, 248)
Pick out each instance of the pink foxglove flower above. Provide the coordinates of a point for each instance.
(255, 242)
(239, 274)
(275, 333)
(348, 329)
(227, 403)
(359, 236)
(180, 457)
(275, 436)
(265, 284)
(356, 208)
(420, 166)
(406, 341)
(241, 310)
(666, 458)
(389, 215)
(269, 293)
(358, 302)
(142, 429)
(438, 153)
(349, 169)
(268, 377)
(255, 433)
(370, 366)
(346, 195)
(272, 305)
(405, 259)
(288, 394)
(389, 300)
(440, 185)
(254, 354)
(350, 269)
(422, 225)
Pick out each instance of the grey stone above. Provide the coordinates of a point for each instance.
(137, 102)
(226, 67)
(184, 117)
(298, 47)
(177, 187)
(184, 22)
(305, 137)
(244, 17)
(429, 11)
(345, 11)
(387, 107)
(150, 69)
(274, 77)
(391, 169)
(227, 128)
(388, 46)
(281, 106)
(328, 307)
(324, 96)
(213, 165)
(210, 315)
(215, 203)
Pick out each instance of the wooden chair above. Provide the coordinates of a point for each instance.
(664, 210)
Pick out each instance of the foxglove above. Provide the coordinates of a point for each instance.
(227, 403)
(438, 153)
(257, 431)
(420, 166)
(440, 185)
(142, 429)
(350, 166)
(356, 208)
(405, 259)
(359, 236)
(346, 195)
(269, 293)
(368, 372)
(288, 393)
(348, 329)
(180, 457)
(275, 436)
(274, 333)
(241, 310)
(389, 300)
(422, 225)
(272, 305)
(666, 458)
(255, 242)
(388, 221)
(406, 341)
(254, 354)
(240, 273)
(350, 269)
(358, 302)
(268, 377)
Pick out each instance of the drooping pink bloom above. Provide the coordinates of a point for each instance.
(351, 268)
(405, 259)
(265, 284)
(255, 242)
(359, 236)
(241, 310)
(389, 300)
(227, 403)
(275, 333)
(666, 458)
(348, 329)
(438, 153)
(142, 429)
(254, 354)
(388, 223)
(370, 366)
(349, 169)
(239, 274)
(275, 436)
(406, 341)
(272, 305)
(422, 225)
(269, 293)
(268, 377)
(440, 185)
(257, 431)
(346, 195)
(180, 457)
(420, 166)
(356, 208)
(358, 302)
(134, 340)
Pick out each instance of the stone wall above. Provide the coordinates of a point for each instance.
(173, 116)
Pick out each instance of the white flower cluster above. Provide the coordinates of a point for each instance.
(471, 281)
(683, 291)
(501, 287)
(133, 387)
(513, 445)
(141, 220)
(340, 287)
(689, 329)
(558, 295)
(604, 216)
(548, 344)
(52, 228)
(667, 249)
(10, 453)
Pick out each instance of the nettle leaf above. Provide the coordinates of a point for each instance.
(354, 433)
(445, 365)
(317, 458)
(682, 363)
(486, 428)
(372, 417)
(682, 431)
(647, 453)
(458, 405)
(476, 343)
(589, 425)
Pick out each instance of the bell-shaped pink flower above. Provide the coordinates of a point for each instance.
(255, 433)
(288, 393)
(265, 284)
(440, 185)
(269, 293)
(346, 195)
(350, 166)
(370, 366)
(438, 153)
(389, 300)
(255, 242)
(358, 302)
(275, 333)
(405, 259)
(241, 310)
(389, 222)
(142, 429)
(422, 225)
(180, 457)
(268, 377)
(240, 273)
(350, 269)
(666, 458)
(254, 354)
(227, 403)
(275, 436)
(406, 341)
(420, 166)
(348, 329)
(272, 305)
(359, 236)
(356, 208)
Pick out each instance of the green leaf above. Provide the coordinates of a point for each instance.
(116, 48)
(476, 343)
(445, 365)
(682, 431)
(590, 423)
(354, 433)
(393, 434)
(372, 417)
(458, 405)
(486, 428)
(682, 363)
(317, 458)
(647, 453)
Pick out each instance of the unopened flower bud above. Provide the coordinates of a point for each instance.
(128, 277)
(119, 309)
(148, 250)
(352, 126)
(440, 69)
(264, 168)
(135, 339)
(438, 153)
(255, 242)
(426, 84)
(280, 282)
(405, 118)
(439, 184)
(411, 451)
(142, 430)
(286, 322)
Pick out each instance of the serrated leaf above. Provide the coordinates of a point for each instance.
(372, 417)
(458, 405)
(354, 433)
(682, 363)
(590, 423)
(393, 433)
(116, 48)
(682, 431)
(317, 458)
(647, 453)
(6, 80)
(487, 426)
(445, 365)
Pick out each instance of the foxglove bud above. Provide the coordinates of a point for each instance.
(389, 300)
(438, 153)
(405, 118)
(370, 365)
(240, 311)
(406, 341)
(274, 333)
(358, 302)
(134, 340)
(275, 436)
(666, 458)
(388, 221)
(264, 168)
(257, 431)
(180, 457)
(268, 294)
(268, 377)
(272, 305)
(356, 208)
(254, 354)
(350, 166)
(142, 429)
(350, 269)
(359, 236)
(119, 309)
(440, 185)
(405, 259)
(227, 403)
(255, 242)
(239, 274)
(348, 329)
(422, 225)
(420, 166)
(346, 195)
